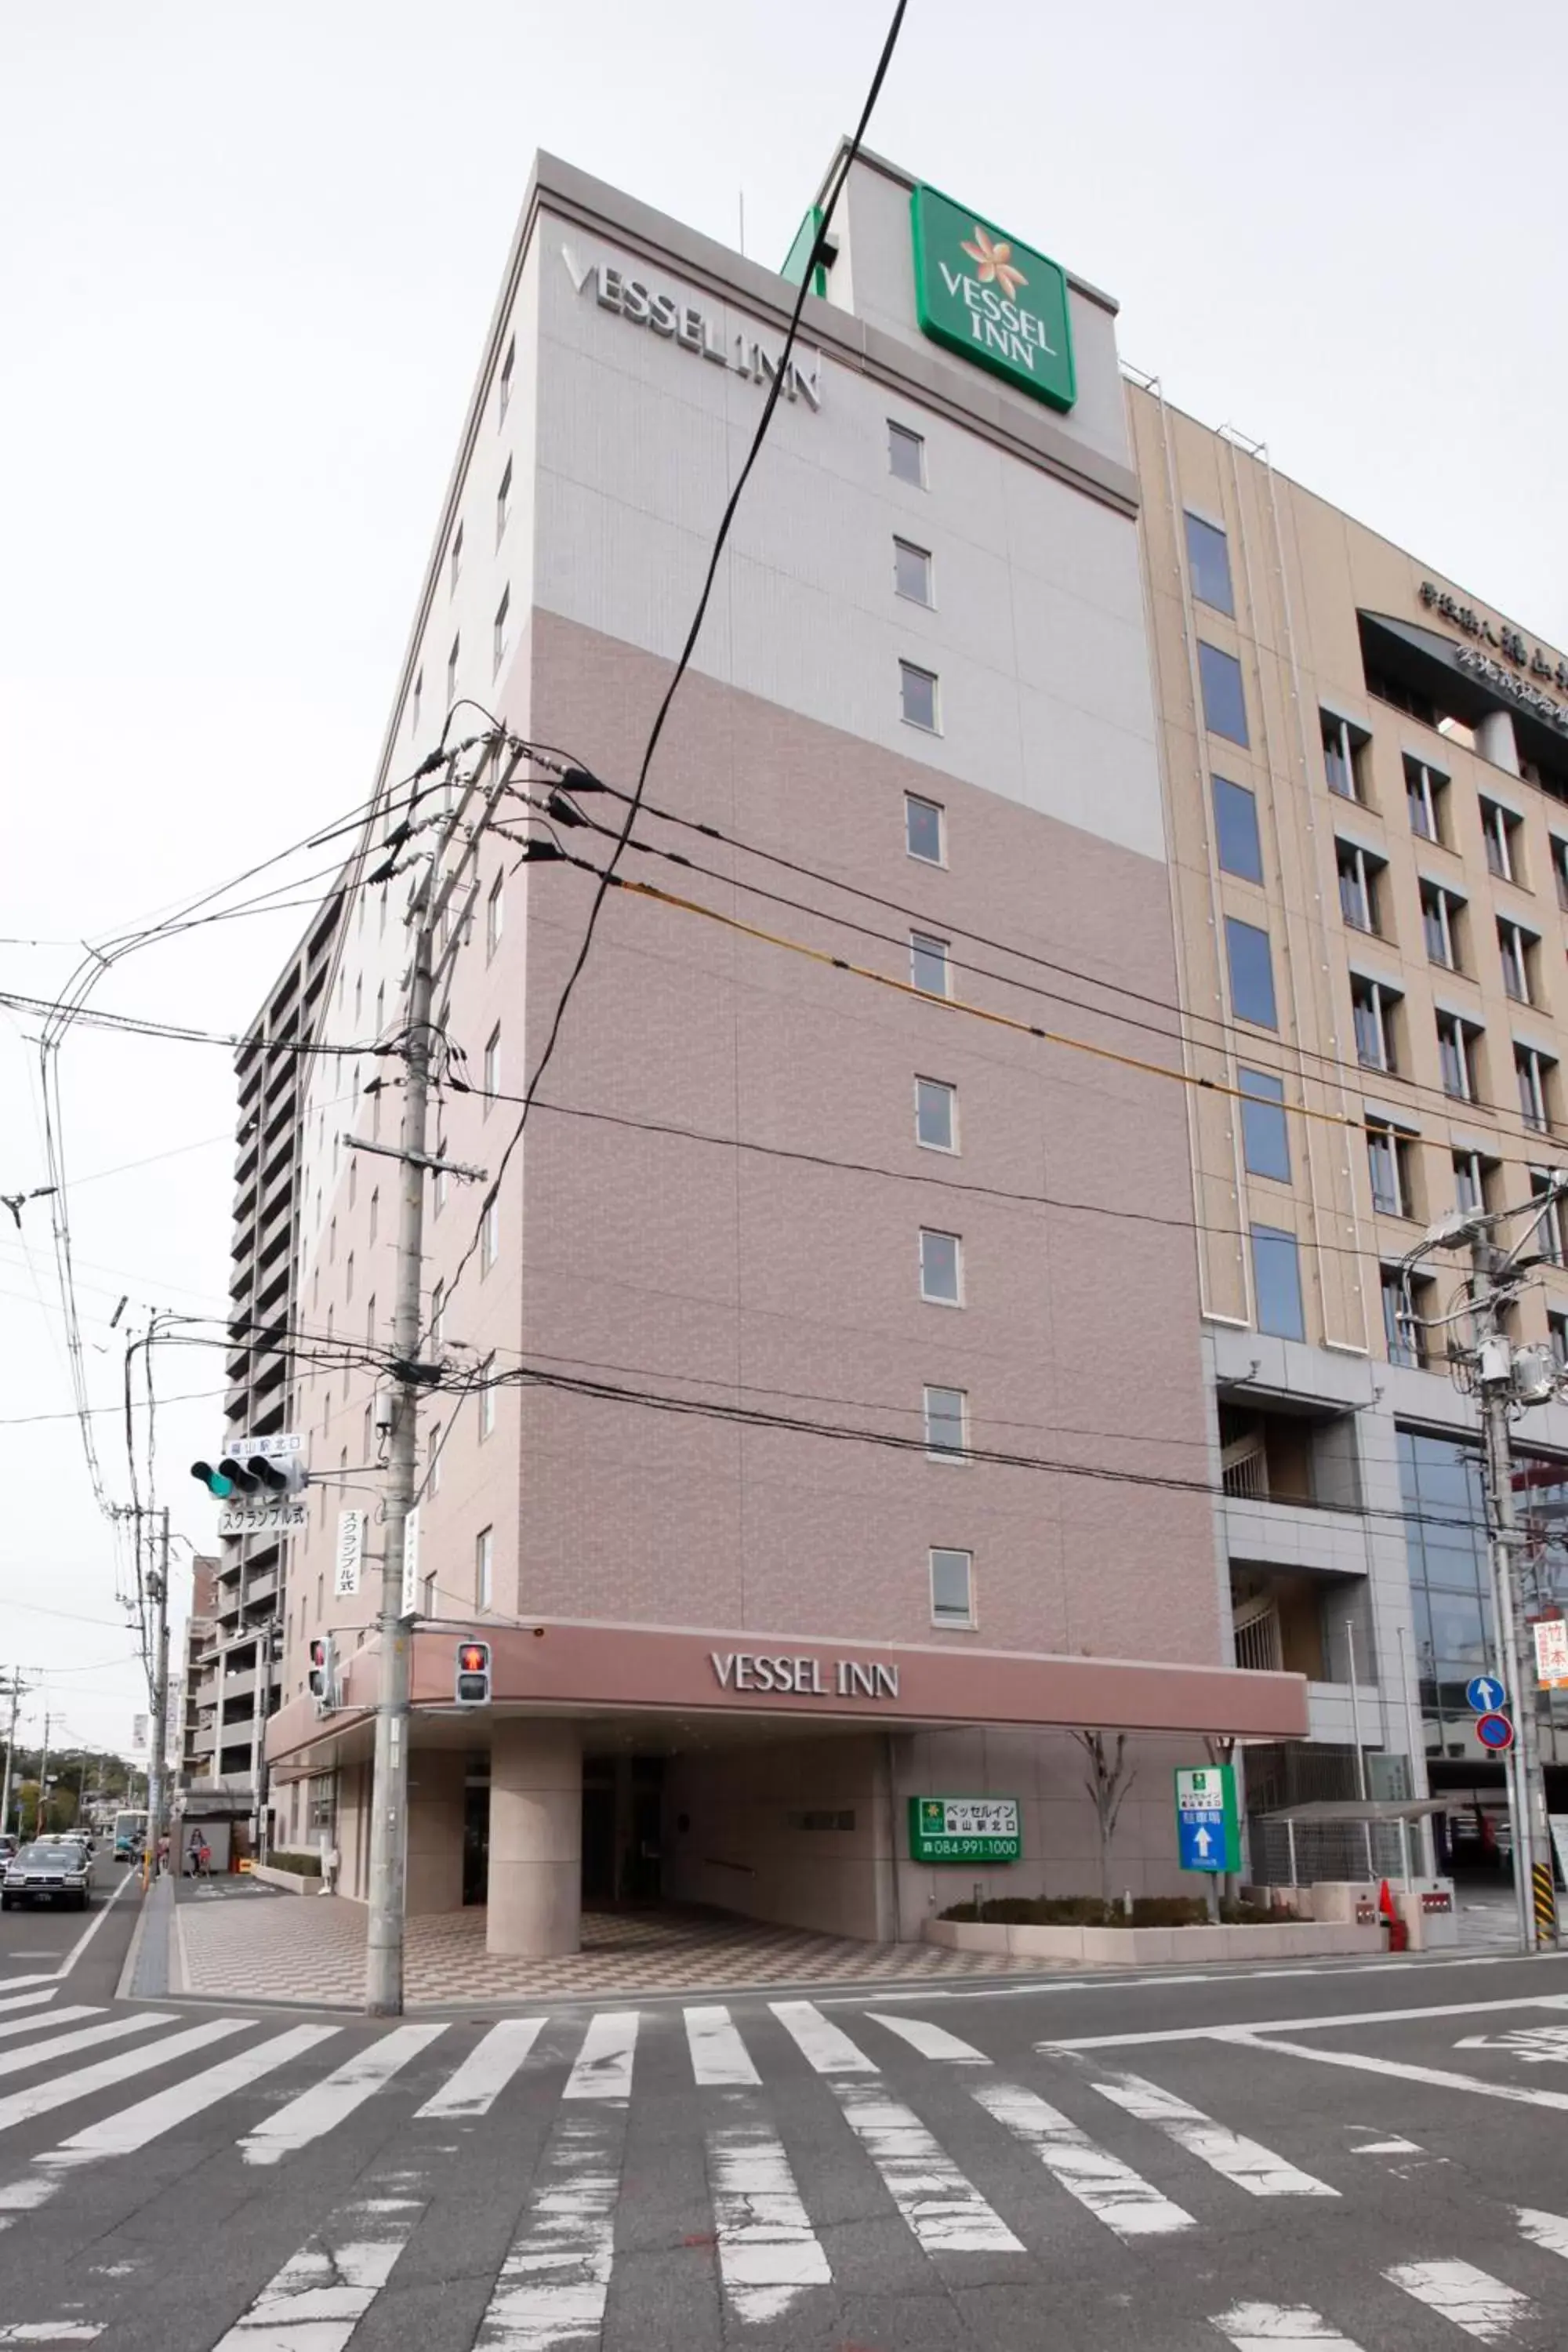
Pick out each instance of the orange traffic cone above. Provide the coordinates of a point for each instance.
(1398, 1934)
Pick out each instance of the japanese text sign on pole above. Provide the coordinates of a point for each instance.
(351, 1553)
(1208, 1836)
(410, 1565)
(1551, 1632)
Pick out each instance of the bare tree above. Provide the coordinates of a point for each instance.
(1109, 1777)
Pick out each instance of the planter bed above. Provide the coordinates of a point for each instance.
(1290, 1939)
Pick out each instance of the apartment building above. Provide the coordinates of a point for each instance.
(823, 1420)
(1366, 777)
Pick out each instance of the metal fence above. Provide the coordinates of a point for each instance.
(1300, 1854)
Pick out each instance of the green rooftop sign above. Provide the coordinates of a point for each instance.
(992, 299)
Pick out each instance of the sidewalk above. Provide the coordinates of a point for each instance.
(232, 1947)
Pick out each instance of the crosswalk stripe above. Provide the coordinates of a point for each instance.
(487, 2070)
(327, 2102)
(87, 2037)
(322, 2291)
(1548, 2231)
(822, 2046)
(52, 2331)
(718, 2053)
(56, 2017)
(932, 2041)
(31, 2000)
(555, 2281)
(1251, 2167)
(768, 2252)
(1276, 2326)
(1106, 2187)
(132, 2127)
(941, 2204)
(1482, 2307)
(60, 2089)
(603, 2068)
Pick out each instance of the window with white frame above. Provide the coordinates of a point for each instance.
(1548, 1241)
(437, 1315)
(1425, 787)
(927, 963)
(1441, 913)
(936, 1115)
(504, 503)
(455, 561)
(484, 1566)
(918, 697)
(912, 572)
(497, 647)
(1402, 1331)
(492, 1065)
(1373, 1005)
(1517, 947)
(925, 829)
(503, 397)
(951, 1586)
(1388, 1162)
(493, 916)
(1501, 830)
(1472, 1183)
(946, 1413)
(487, 1408)
(1358, 872)
(1344, 754)
(1457, 1056)
(1557, 1336)
(432, 1463)
(489, 1237)
(1533, 1068)
(906, 456)
(942, 1269)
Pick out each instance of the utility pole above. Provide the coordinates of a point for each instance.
(1527, 1786)
(43, 1781)
(17, 1688)
(158, 1583)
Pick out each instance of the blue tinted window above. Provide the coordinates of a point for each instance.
(1235, 830)
(1208, 563)
(1251, 973)
(1225, 705)
(1276, 1273)
(1265, 1145)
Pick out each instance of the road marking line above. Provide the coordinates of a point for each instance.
(820, 2043)
(1402, 2070)
(51, 2331)
(718, 2053)
(1306, 2024)
(1482, 2307)
(327, 2103)
(1548, 2231)
(91, 1930)
(1268, 2327)
(23, 2105)
(29, 2000)
(1387, 2148)
(322, 2291)
(1251, 2166)
(932, 2041)
(941, 2204)
(555, 2281)
(769, 2254)
(132, 2127)
(1102, 2183)
(56, 2017)
(63, 2045)
(474, 2087)
(603, 2068)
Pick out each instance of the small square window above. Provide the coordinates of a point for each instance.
(502, 609)
(906, 454)
(1251, 973)
(1224, 699)
(936, 1115)
(1344, 755)
(493, 916)
(1277, 1274)
(433, 1468)
(1265, 1142)
(503, 398)
(493, 1066)
(946, 1413)
(941, 1268)
(484, 1565)
(487, 1411)
(1208, 564)
(1235, 830)
(927, 963)
(912, 572)
(452, 671)
(504, 503)
(417, 697)
(925, 829)
(489, 1237)
(918, 697)
(951, 1586)
(455, 561)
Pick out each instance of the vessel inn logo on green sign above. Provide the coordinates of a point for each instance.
(992, 299)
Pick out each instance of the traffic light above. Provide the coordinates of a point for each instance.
(473, 1683)
(253, 1467)
(324, 1675)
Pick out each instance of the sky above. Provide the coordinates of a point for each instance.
(250, 259)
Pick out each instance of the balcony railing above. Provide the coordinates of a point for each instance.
(1257, 1642)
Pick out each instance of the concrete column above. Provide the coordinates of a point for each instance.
(435, 1779)
(1495, 741)
(536, 1838)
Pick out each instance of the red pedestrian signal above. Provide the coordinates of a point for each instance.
(473, 1678)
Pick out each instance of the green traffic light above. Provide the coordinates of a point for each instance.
(213, 1480)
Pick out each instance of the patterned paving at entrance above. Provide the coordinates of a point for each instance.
(311, 1948)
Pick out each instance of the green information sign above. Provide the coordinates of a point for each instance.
(1208, 1833)
(965, 1828)
(992, 299)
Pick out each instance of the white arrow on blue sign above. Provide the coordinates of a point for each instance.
(1485, 1695)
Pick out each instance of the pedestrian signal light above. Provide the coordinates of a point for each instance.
(324, 1675)
(473, 1682)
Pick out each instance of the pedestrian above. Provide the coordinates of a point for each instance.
(204, 1859)
(194, 1854)
(162, 1863)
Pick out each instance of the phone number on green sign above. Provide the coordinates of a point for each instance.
(955, 1849)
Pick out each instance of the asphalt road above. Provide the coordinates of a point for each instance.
(1351, 2159)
